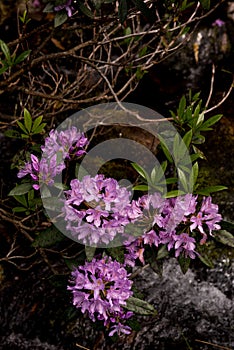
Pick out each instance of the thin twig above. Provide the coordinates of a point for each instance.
(82, 347)
(211, 86)
(215, 345)
(223, 99)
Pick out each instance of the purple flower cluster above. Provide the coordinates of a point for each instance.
(58, 147)
(101, 288)
(96, 209)
(172, 222)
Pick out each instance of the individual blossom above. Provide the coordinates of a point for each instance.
(184, 244)
(207, 216)
(218, 23)
(101, 289)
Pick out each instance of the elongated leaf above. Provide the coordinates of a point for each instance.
(194, 174)
(141, 188)
(22, 200)
(224, 237)
(210, 121)
(20, 189)
(183, 179)
(40, 128)
(140, 170)
(184, 263)
(48, 237)
(182, 106)
(19, 209)
(37, 122)
(27, 120)
(49, 7)
(90, 251)
(188, 138)
(6, 51)
(210, 189)
(3, 69)
(12, 133)
(171, 180)
(165, 149)
(162, 252)
(140, 307)
(175, 193)
(60, 18)
(22, 127)
(22, 56)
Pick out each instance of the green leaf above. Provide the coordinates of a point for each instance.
(37, 122)
(12, 133)
(27, 120)
(89, 251)
(183, 179)
(211, 121)
(20, 189)
(182, 106)
(194, 174)
(22, 56)
(188, 138)
(140, 307)
(48, 237)
(19, 209)
(39, 129)
(156, 266)
(205, 259)
(6, 51)
(140, 170)
(116, 253)
(162, 252)
(31, 195)
(52, 203)
(175, 193)
(22, 200)
(22, 127)
(140, 188)
(80, 172)
(60, 18)
(210, 189)
(165, 149)
(200, 119)
(123, 10)
(224, 237)
(184, 263)
(171, 180)
(205, 4)
(49, 7)
(3, 69)
(198, 152)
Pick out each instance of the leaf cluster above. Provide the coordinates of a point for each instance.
(11, 60)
